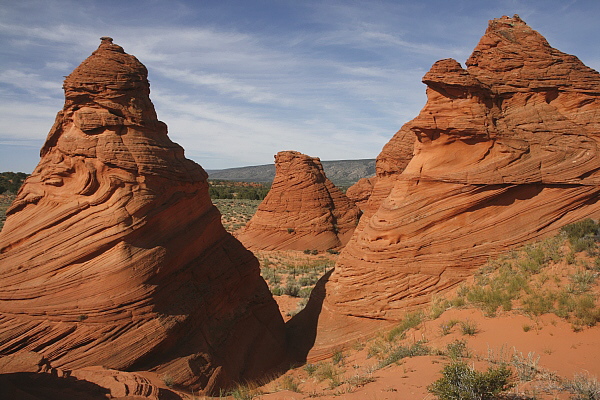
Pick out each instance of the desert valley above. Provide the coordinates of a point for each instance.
(466, 267)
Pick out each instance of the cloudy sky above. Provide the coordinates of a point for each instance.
(238, 81)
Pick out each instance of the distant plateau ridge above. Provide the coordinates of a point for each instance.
(341, 172)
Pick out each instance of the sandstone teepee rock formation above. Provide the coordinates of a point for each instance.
(505, 151)
(303, 209)
(113, 254)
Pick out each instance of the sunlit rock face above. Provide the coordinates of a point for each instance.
(112, 253)
(504, 152)
(302, 211)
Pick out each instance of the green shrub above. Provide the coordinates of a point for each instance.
(411, 320)
(292, 289)
(580, 229)
(457, 349)
(400, 352)
(460, 381)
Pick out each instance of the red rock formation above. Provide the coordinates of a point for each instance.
(112, 253)
(506, 152)
(303, 209)
(361, 191)
(28, 376)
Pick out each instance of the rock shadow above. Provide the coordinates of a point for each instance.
(301, 330)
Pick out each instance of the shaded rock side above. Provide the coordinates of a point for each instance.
(112, 253)
(303, 210)
(506, 152)
(28, 376)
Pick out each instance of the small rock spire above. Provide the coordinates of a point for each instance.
(106, 40)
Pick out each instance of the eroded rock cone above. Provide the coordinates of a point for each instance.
(302, 211)
(505, 152)
(112, 253)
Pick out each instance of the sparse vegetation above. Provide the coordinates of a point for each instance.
(584, 387)
(468, 327)
(523, 279)
(5, 202)
(220, 189)
(236, 213)
(290, 383)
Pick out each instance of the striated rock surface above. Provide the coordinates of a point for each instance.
(361, 191)
(28, 376)
(113, 255)
(303, 209)
(505, 151)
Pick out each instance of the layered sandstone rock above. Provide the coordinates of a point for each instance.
(361, 191)
(303, 209)
(506, 151)
(28, 376)
(112, 253)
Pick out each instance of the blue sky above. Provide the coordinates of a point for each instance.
(238, 81)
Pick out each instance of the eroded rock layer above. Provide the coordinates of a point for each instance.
(506, 151)
(112, 254)
(302, 211)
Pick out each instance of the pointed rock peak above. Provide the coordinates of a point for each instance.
(512, 57)
(108, 65)
(303, 210)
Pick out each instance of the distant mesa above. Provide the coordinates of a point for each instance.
(113, 255)
(341, 172)
(302, 211)
(504, 152)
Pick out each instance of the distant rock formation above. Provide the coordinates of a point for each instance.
(505, 152)
(112, 253)
(303, 210)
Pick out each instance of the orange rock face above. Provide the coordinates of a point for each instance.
(361, 191)
(112, 253)
(303, 209)
(505, 152)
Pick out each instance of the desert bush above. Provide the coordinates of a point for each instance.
(460, 381)
(305, 292)
(290, 383)
(292, 289)
(400, 352)
(245, 392)
(310, 369)
(457, 349)
(411, 320)
(584, 387)
(586, 227)
(276, 290)
(468, 327)
(328, 371)
(438, 306)
(332, 251)
(338, 357)
(526, 367)
(446, 327)
(538, 303)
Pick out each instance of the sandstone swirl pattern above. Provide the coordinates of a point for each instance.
(302, 211)
(113, 254)
(505, 152)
